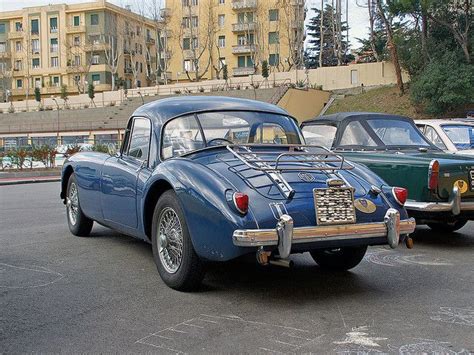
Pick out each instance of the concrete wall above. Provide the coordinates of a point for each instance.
(304, 104)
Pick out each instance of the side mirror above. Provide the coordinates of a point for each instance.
(112, 149)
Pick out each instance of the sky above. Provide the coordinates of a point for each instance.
(358, 16)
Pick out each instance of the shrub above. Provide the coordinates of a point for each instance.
(265, 71)
(11, 109)
(48, 108)
(446, 84)
(177, 92)
(112, 103)
(44, 154)
(102, 148)
(300, 84)
(71, 150)
(201, 89)
(37, 94)
(86, 105)
(91, 91)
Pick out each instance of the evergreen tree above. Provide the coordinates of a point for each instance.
(329, 50)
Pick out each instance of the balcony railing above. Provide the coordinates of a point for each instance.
(244, 26)
(165, 12)
(150, 41)
(244, 4)
(15, 35)
(76, 29)
(247, 48)
(53, 30)
(90, 47)
(244, 71)
(5, 55)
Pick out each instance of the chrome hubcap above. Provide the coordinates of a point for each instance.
(170, 240)
(72, 204)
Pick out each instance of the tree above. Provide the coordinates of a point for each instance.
(91, 92)
(265, 72)
(225, 73)
(64, 94)
(38, 96)
(322, 29)
(113, 53)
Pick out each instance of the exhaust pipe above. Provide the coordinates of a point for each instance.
(282, 262)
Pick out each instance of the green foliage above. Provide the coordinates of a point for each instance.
(44, 154)
(72, 149)
(91, 91)
(101, 148)
(18, 157)
(225, 72)
(38, 94)
(445, 84)
(64, 94)
(265, 72)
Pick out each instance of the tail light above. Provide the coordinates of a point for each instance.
(241, 202)
(433, 175)
(400, 194)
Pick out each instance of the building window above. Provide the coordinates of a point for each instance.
(76, 21)
(195, 43)
(243, 40)
(18, 26)
(194, 2)
(2, 28)
(34, 27)
(221, 63)
(53, 25)
(194, 21)
(245, 17)
(273, 38)
(18, 65)
(94, 19)
(35, 46)
(96, 79)
(141, 67)
(55, 81)
(19, 83)
(188, 65)
(273, 15)
(77, 40)
(244, 61)
(3, 47)
(54, 62)
(221, 2)
(186, 22)
(274, 59)
(186, 43)
(53, 45)
(221, 42)
(18, 46)
(221, 20)
(77, 79)
(95, 59)
(77, 60)
(35, 63)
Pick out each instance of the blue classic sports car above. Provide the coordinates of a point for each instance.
(213, 178)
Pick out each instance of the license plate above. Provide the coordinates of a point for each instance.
(334, 205)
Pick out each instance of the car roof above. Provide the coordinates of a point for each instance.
(165, 109)
(343, 116)
(440, 121)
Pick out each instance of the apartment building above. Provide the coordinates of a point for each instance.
(74, 45)
(200, 37)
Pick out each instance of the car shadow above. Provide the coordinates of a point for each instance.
(428, 237)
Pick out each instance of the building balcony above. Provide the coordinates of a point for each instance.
(248, 48)
(5, 55)
(297, 2)
(128, 70)
(16, 35)
(241, 71)
(244, 4)
(165, 12)
(76, 29)
(188, 54)
(96, 47)
(242, 27)
(166, 33)
(18, 72)
(150, 41)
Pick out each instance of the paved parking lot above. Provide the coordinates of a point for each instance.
(103, 294)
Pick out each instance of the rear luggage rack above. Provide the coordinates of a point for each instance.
(297, 158)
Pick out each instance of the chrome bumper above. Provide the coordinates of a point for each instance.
(284, 235)
(454, 205)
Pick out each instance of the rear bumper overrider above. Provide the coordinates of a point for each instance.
(284, 234)
(454, 205)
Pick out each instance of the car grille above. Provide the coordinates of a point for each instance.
(334, 205)
(471, 179)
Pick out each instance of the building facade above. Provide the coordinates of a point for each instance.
(73, 45)
(201, 37)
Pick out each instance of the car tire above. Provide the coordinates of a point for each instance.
(78, 223)
(339, 259)
(449, 226)
(178, 264)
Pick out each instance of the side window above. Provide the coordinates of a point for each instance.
(180, 136)
(140, 139)
(319, 135)
(434, 138)
(355, 134)
(421, 127)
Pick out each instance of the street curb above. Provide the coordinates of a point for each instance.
(29, 181)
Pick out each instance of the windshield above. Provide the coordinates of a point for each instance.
(188, 133)
(322, 135)
(383, 133)
(462, 136)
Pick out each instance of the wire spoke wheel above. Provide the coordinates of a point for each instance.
(72, 204)
(170, 240)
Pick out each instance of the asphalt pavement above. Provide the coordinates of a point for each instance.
(60, 293)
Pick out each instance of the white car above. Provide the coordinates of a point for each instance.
(453, 136)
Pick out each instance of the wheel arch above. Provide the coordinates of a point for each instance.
(154, 193)
(66, 175)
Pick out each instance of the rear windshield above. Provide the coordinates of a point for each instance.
(189, 133)
(462, 136)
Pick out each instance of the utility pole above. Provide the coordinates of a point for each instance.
(321, 34)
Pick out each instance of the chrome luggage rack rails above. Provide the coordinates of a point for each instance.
(298, 158)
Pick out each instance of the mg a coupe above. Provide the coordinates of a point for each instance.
(440, 185)
(212, 178)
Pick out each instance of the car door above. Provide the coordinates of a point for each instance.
(121, 173)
